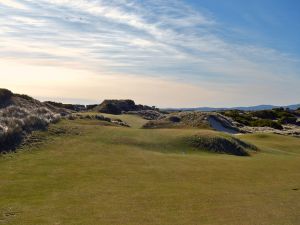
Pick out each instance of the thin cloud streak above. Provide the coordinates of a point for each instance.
(163, 39)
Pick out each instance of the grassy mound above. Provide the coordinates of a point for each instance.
(180, 120)
(221, 144)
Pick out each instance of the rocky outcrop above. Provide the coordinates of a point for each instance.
(119, 106)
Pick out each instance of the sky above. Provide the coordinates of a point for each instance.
(167, 53)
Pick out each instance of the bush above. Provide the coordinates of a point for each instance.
(266, 123)
(265, 114)
(5, 95)
(174, 119)
(33, 122)
(101, 117)
(288, 120)
(90, 107)
(239, 117)
(280, 109)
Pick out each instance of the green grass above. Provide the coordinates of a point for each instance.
(114, 175)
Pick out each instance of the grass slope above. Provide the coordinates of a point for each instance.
(113, 175)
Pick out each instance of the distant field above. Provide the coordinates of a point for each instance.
(95, 174)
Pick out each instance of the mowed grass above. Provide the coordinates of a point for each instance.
(129, 176)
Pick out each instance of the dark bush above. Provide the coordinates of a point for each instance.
(265, 114)
(34, 122)
(266, 123)
(11, 139)
(5, 96)
(239, 116)
(103, 118)
(282, 114)
(90, 107)
(278, 109)
(288, 120)
(174, 119)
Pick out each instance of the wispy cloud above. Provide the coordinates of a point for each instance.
(13, 4)
(166, 39)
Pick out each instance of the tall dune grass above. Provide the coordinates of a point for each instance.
(16, 122)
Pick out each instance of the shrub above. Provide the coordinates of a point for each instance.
(288, 120)
(282, 114)
(34, 122)
(10, 139)
(174, 119)
(90, 107)
(101, 117)
(266, 123)
(265, 114)
(239, 117)
(71, 117)
(5, 95)
(278, 109)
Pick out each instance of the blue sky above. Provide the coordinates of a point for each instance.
(159, 52)
(268, 23)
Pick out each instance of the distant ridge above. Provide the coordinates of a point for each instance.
(249, 108)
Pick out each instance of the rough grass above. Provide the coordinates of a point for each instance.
(114, 175)
(221, 144)
(16, 122)
(133, 121)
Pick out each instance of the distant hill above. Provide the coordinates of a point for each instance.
(249, 108)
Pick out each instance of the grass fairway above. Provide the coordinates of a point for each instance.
(129, 176)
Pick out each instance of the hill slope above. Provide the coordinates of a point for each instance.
(115, 175)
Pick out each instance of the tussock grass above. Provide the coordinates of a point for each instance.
(221, 144)
(16, 122)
